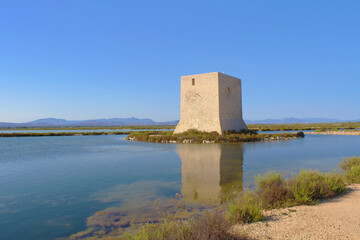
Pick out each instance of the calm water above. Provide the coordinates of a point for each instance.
(76, 130)
(49, 186)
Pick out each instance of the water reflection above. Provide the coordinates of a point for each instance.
(210, 172)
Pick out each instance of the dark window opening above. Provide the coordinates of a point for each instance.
(193, 81)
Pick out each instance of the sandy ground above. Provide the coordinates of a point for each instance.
(336, 218)
(335, 133)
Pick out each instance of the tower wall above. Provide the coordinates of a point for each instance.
(210, 102)
(199, 103)
(230, 103)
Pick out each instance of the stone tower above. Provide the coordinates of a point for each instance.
(210, 102)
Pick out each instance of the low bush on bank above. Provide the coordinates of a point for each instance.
(195, 136)
(245, 208)
(309, 186)
(210, 225)
(351, 168)
(272, 191)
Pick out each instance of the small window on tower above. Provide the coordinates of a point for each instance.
(228, 89)
(193, 81)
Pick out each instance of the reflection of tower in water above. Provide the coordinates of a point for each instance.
(210, 171)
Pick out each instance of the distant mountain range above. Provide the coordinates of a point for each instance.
(108, 122)
(54, 122)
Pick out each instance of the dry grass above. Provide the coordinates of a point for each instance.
(210, 225)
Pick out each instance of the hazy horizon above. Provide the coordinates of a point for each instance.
(172, 120)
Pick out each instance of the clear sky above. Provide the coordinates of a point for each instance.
(100, 59)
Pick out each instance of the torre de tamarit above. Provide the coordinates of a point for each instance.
(210, 102)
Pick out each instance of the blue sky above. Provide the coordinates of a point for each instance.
(101, 59)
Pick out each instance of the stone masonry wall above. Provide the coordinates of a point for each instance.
(230, 103)
(210, 102)
(199, 103)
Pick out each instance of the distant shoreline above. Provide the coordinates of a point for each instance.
(344, 126)
(54, 134)
(354, 133)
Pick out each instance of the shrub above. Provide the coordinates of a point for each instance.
(335, 183)
(349, 162)
(164, 230)
(213, 226)
(309, 186)
(244, 209)
(353, 175)
(351, 167)
(272, 190)
(210, 225)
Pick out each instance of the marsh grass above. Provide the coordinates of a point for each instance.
(305, 126)
(272, 191)
(195, 136)
(351, 168)
(309, 186)
(245, 208)
(210, 225)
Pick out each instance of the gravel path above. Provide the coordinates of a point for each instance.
(336, 218)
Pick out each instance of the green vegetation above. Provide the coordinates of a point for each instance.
(310, 186)
(49, 134)
(208, 225)
(272, 191)
(195, 136)
(351, 167)
(244, 209)
(305, 126)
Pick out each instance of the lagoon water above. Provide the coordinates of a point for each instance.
(49, 186)
(34, 130)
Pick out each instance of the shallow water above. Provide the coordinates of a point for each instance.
(49, 186)
(75, 130)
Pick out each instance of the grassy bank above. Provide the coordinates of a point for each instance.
(50, 134)
(303, 127)
(272, 191)
(194, 136)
